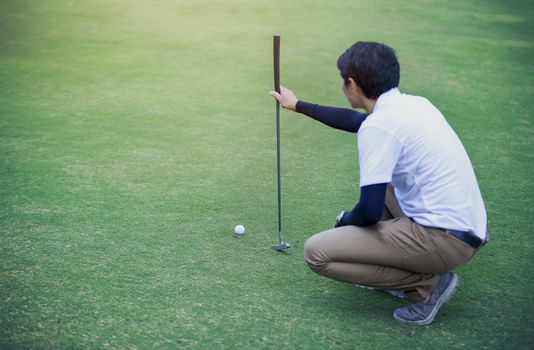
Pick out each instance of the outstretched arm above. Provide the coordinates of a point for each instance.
(345, 119)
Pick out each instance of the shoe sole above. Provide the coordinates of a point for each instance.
(445, 297)
(396, 293)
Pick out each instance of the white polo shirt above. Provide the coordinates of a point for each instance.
(408, 142)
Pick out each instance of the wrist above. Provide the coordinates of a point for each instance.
(339, 219)
(298, 106)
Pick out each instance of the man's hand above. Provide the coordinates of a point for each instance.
(286, 98)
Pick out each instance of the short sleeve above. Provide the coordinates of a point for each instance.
(379, 152)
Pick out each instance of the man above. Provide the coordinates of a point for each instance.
(420, 213)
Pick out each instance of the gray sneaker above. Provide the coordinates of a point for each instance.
(420, 313)
(395, 293)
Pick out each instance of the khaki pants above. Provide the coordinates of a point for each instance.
(396, 253)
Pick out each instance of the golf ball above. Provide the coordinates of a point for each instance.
(239, 229)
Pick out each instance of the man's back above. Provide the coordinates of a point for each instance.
(409, 139)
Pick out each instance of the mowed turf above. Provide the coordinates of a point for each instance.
(135, 135)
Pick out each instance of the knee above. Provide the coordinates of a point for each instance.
(314, 256)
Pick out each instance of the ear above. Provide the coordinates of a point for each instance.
(353, 86)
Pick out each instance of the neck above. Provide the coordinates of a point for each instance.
(369, 105)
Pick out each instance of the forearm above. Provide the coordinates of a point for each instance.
(345, 119)
(360, 216)
(369, 209)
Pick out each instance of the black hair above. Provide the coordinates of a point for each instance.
(373, 66)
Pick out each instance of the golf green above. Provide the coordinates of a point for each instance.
(135, 135)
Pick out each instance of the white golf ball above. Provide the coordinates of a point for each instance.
(239, 230)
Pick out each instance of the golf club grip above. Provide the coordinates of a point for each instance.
(276, 62)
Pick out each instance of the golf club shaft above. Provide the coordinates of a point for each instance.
(276, 62)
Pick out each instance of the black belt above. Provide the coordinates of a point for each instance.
(468, 238)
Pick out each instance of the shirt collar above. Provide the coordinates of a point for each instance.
(385, 98)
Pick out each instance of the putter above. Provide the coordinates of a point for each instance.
(276, 60)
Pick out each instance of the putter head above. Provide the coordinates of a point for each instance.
(281, 246)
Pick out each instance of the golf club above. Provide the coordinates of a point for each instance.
(276, 60)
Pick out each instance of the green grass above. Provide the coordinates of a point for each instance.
(135, 135)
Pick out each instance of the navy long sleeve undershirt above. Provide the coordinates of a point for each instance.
(345, 119)
(369, 209)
